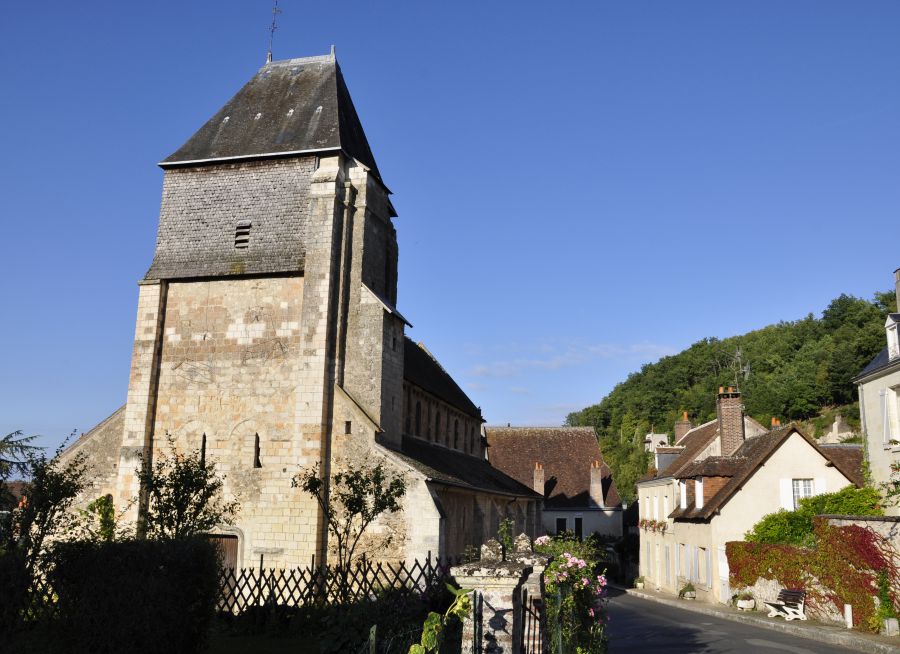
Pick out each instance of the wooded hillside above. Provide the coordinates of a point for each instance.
(791, 370)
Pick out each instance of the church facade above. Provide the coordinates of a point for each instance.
(268, 336)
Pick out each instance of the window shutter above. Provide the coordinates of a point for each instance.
(708, 568)
(786, 494)
(885, 421)
(818, 485)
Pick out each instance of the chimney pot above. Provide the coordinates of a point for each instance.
(596, 489)
(684, 415)
(721, 389)
(730, 414)
(538, 481)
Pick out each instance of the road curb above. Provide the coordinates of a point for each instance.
(821, 633)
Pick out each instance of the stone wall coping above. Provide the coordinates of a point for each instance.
(492, 570)
(863, 518)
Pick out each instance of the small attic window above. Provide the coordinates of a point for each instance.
(242, 235)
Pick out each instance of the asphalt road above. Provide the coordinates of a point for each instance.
(641, 626)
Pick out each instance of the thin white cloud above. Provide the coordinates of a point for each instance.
(572, 356)
(519, 390)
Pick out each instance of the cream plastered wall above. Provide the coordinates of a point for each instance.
(229, 367)
(653, 506)
(880, 454)
(607, 522)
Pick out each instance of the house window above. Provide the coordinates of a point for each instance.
(682, 490)
(893, 341)
(802, 488)
(256, 461)
(656, 507)
(348, 427)
(666, 510)
(890, 415)
(561, 525)
(242, 235)
(579, 528)
(698, 492)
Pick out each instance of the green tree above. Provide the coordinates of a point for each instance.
(796, 527)
(796, 370)
(352, 500)
(45, 512)
(184, 496)
(15, 450)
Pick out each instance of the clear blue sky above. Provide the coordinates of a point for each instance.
(582, 186)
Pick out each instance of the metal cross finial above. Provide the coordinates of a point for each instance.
(275, 12)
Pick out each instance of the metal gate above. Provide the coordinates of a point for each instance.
(532, 611)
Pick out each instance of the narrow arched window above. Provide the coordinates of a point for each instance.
(256, 462)
(203, 449)
(418, 418)
(456, 434)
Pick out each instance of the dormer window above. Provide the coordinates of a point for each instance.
(893, 336)
(242, 235)
(682, 491)
(698, 492)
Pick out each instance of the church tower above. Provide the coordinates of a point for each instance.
(267, 333)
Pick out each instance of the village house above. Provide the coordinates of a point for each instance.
(716, 482)
(879, 403)
(268, 337)
(564, 465)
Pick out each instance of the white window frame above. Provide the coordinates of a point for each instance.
(800, 489)
(682, 490)
(698, 492)
(893, 338)
(655, 506)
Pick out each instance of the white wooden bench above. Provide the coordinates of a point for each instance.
(790, 605)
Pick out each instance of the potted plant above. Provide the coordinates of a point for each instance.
(745, 601)
(639, 582)
(688, 591)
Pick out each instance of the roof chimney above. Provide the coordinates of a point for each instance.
(596, 490)
(730, 413)
(682, 427)
(538, 483)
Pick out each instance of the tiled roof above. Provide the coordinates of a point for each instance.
(693, 442)
(744, 462)
(289, 106)
(848, 458)
(566, 454)
(454, 468)
(881, 361)
(422, 369)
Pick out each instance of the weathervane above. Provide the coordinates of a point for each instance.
(275, 12)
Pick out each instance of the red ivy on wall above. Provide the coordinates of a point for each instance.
(842, 568)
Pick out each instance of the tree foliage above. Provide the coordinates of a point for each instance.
(184, 496)
(15, 450)
(795, 369)
(44, 513)
(355, 497)
(797, 527)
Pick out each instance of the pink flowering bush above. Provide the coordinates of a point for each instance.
(575, 595)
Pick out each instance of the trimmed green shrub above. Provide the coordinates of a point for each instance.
(134, 596)
(796, 527)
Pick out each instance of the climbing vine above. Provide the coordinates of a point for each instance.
(847, 565)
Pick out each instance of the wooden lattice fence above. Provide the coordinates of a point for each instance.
(242, 589)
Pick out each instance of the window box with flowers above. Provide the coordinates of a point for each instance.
(656, 526)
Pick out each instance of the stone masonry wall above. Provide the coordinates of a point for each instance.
(229, 366)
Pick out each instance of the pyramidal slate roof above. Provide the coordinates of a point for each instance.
(289, 107)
